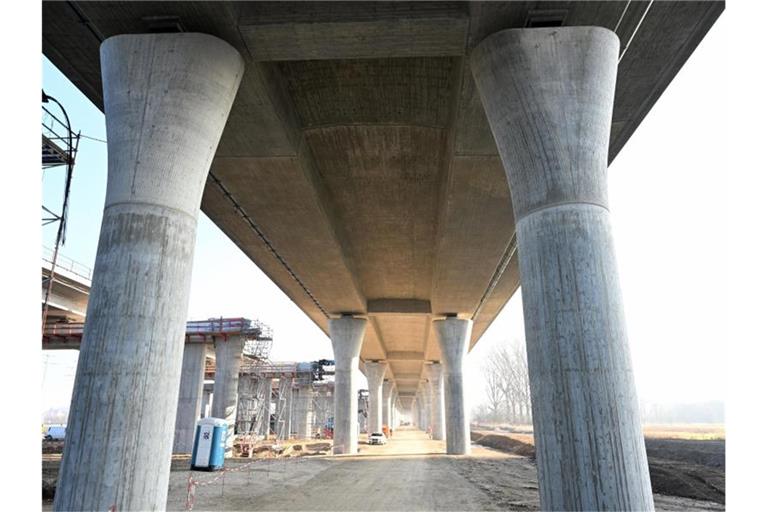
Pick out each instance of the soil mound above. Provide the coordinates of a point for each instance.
(505, 444)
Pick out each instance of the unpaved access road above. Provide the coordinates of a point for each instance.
(407, 474)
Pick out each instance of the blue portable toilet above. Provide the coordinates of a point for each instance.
(210, 444)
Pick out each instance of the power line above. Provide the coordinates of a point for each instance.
(92, 138)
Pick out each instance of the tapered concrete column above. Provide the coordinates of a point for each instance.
(166, 100)
(347, 339)
(548, 94)
(437, 409)
(453, 338)
(387, 388)
(304, 412)
(392, 411)
(229, 355)
(190, 397)
(426, 414)
(374, 372)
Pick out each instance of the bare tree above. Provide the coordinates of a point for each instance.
(506, 383)
(494, 392)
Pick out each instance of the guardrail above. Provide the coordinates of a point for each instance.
(68, 264)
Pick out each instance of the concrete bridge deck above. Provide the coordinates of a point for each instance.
(399, 170)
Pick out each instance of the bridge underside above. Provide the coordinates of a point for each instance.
(357, 168)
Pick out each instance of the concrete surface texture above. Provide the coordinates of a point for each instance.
(229, 356)
(207, 400)
(548, 94)
(453, 336)
(304, 412)
(426, 399)
(358, 169)
(347, 338)
(436, 401)
(166, 100)
(374, 372)
(190, 397)
(387, 389)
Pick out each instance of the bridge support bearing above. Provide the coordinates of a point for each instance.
(347, 339)
(548, 94)
(436, 401)
(229, 356)
(190, 397)
(166, 101)
(374, 372)
(453, 338)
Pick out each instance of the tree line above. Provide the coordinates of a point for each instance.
(508, 397)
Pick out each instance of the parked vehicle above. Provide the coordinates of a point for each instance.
(55, 433)
(377, 438)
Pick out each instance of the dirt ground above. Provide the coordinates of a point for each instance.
(685, 461)
(411, 472)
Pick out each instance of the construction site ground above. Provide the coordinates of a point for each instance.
(411, 472)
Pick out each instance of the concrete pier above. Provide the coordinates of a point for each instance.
(229, 355)
(304, 412)
(207, 400)
(548, 94)
(166, 100)
(374, 372)
(347, 339)
(436, 401)
(426, 413)
(190, 397)
(387, 389)
(453, 337)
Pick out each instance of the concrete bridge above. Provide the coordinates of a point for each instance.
(399, 170)
(71, 286)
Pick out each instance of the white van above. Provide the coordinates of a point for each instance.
(55, 433)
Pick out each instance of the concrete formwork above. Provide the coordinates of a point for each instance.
(282, 409)
(548, 94)
(166, 100)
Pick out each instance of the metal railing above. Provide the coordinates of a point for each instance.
(211, 327)
(68, 264)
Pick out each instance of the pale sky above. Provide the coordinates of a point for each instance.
(665, 188)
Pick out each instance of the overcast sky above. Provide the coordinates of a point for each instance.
(664, 188)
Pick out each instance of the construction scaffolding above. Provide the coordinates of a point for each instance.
(59, 149)
(268, 397)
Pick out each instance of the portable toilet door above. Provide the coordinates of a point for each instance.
(210, 444)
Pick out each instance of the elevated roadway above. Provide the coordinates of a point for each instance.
(399, 170)
(357, 168)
